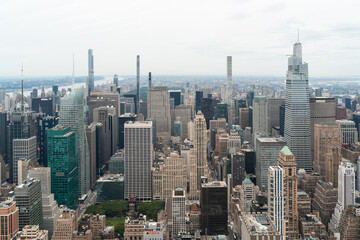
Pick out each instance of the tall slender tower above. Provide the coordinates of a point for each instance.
(137, 107)
(297, 109)
(150, 81)
(91, 71)
(287, 162)
(229, 80)
(200, 141)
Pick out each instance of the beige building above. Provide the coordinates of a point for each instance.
(96, 223)
(65, 225)
(32, 232)
(134, 229)
(9, 220)
(169, 176)
(287, 162)
(184, 114)
(158, 107)
(327, 151)
(200, 148)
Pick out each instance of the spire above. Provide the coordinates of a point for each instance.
(73, 74)
(22, 87)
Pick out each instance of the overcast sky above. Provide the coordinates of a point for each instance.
(178, 37)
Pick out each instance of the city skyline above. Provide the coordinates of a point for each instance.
(178, 37)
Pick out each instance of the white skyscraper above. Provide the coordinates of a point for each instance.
(178, 212)
(346, 193)
(229, 85)
(276, 198)
(297, 109)
(72, 115)
(138, 146)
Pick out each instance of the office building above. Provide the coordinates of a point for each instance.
(260, 115)
(322, 111)
(28, 200)
(244, 118)
(103, 99)
(349, 134)
(200, 148)
(229, 85)
(51, 211)
(238, 172)
(349, 226)
(3, 135)
(184, 114)
(303, 204)
(346, 193)
(43, 105)
(324, 201)
(62, 160)
(23, 149)
(9, 220)
(159, 109)
(116, 80)
(33, 232)
(65, 225)
(340, 113)
(327, 151)
(72, 115)
(22, 125)
(178, 212)
(297, 110)
(214, 208)
(256, 226)
(312, 228)
(116, 164)
(287, 162)
(277, 200)
(121, 121)
(221, 111)
(267, 152)
(44, 123)
(138, 159)
(274, 112)
(91, 77)
(90, 131)
(110, 187)
(176, 95)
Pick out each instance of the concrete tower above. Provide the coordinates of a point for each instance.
(229, 80)
(297, 109)
(90, 71)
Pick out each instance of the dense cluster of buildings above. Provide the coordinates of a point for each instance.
(251, 162)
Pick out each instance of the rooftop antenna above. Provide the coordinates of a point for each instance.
(73, 75)
(22, 87)
(298, 37)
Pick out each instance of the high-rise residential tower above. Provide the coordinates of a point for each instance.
(229, 85)
(138, 146)
(178, 212)
(287, 162)
(72, 115)
(297, 109)
(90, 71)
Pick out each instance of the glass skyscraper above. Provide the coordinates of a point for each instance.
(72, 115)
(297, 109)
(62, 160)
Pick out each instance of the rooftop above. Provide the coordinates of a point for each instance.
(285, 150)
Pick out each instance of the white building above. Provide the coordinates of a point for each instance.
(23, 149)
(138, 147)
(178, 212)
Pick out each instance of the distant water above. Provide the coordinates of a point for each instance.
(107, 79)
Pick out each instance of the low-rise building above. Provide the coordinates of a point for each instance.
(258, 226)
(32, 232)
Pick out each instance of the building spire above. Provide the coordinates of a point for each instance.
(73, 74)
(22, 87)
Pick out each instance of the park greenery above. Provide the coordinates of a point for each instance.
(115, 212)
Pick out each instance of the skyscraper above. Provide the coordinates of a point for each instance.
(62, 160)
(297, 109)
(116, 80)
(276, 200)
(23, 149)
(200, 147)
(9, 220)
(138, 147)
(348, 131)
(260, 115)
(28, 200)
(72, 115)
(159, 108)
(229, 85)
(287, 162)
(346, 193)
(137, 107)
(178, 212)
(90, 71)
